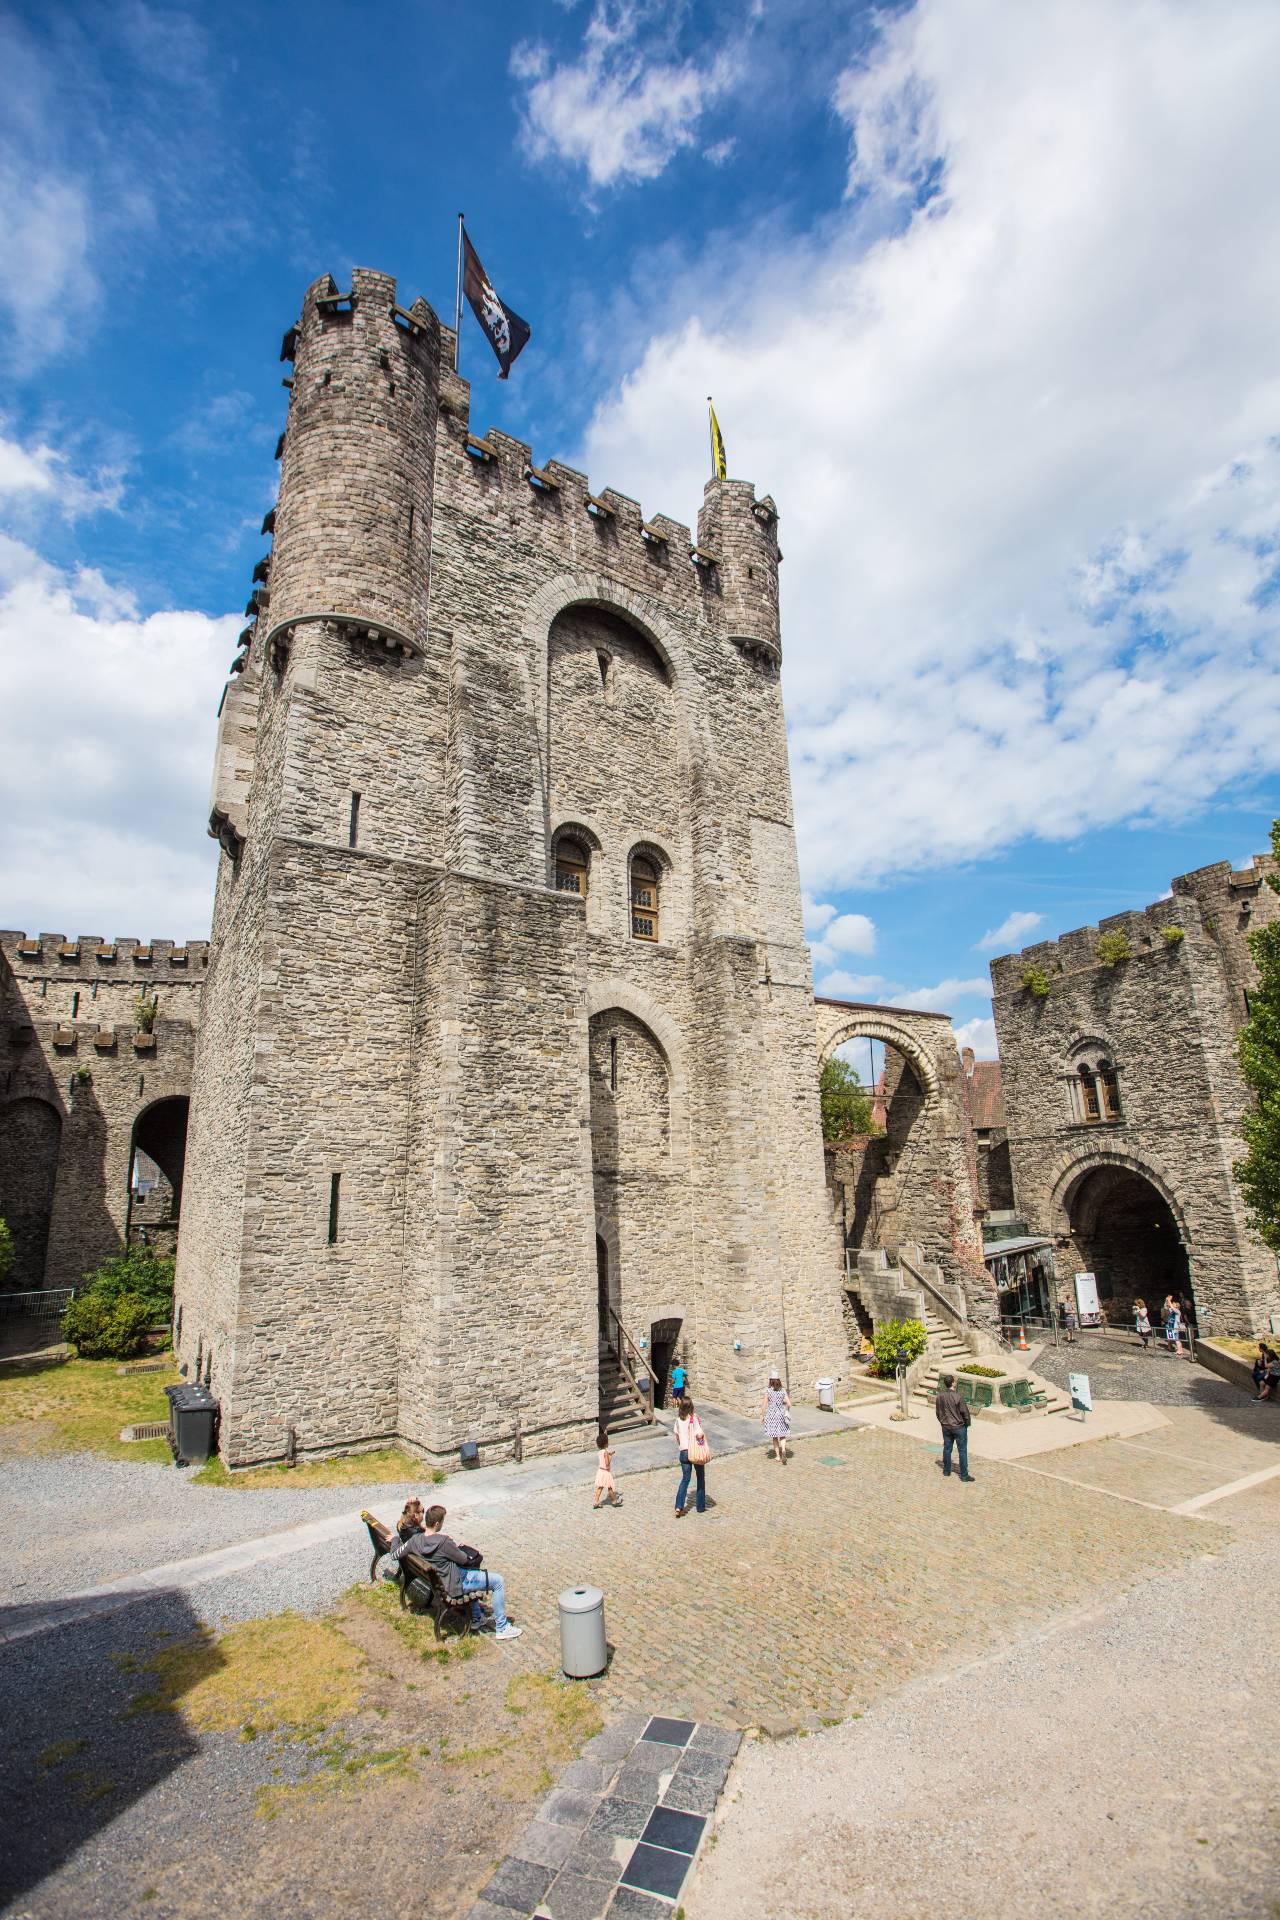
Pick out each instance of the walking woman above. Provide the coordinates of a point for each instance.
(775, 1411)
(691, 1444)
(1142, 1322)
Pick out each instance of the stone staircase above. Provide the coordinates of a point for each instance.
(948, 1352)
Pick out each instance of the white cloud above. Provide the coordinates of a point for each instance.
(1008, 934)
(107, 727)
(981, 1036)
(44, 243)
(1023, 432)
(618, 111)
(939, 999)
(844, 934)
(32, 479)
(817, 913)
(840, 985)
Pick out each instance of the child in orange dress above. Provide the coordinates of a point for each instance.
(606, 1485)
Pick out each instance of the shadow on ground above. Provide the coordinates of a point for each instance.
(74, 1756)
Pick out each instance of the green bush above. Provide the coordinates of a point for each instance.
(1035, 980)
(1113, 949)
(988, 1373)
(140, 1274)
(892, 1334)
(102, 1327)
(1173, 936)
(6, 1252)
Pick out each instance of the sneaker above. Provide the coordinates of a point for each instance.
(510, 1632)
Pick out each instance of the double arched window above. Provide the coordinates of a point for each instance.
(573, 864)
(1095, 1093)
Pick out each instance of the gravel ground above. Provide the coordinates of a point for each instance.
(68, 1521)
(1117, 1762)
(1119, 1370)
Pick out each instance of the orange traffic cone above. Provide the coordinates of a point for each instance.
(1022, 1340)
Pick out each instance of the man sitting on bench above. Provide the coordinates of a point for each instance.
(458, 1568)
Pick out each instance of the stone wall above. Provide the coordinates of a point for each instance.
(1165, 1020)
(491, 655)
(77, 1074)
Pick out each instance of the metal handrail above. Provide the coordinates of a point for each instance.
(624, 1338)
(947, 1306)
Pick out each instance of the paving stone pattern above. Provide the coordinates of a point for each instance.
(809, 1590)
(621, 1828)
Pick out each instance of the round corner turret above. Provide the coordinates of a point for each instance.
(740, 535)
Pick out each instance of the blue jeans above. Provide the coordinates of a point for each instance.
(961, 1439)
(480, 1580)
(688, 1467)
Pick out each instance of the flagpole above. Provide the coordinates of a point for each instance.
(457, 301)
(711, 436)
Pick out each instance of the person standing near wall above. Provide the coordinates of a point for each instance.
(1142, 1323)
(1172, 1324)
(953, 1414)
(1070, 1321)
(775, 1411)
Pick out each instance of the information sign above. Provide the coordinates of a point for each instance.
(1081, 1398)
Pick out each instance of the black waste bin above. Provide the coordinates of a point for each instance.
(193, 1412)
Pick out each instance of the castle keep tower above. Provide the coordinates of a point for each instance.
(508, 1030)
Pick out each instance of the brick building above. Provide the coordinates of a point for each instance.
(1123, 1099)
(508, 1030)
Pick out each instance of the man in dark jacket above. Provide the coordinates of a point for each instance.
(952, 1410)
(459, 1569)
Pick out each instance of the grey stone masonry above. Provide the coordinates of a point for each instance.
(81, 1067)
(1124, 1100)
(509, 1016)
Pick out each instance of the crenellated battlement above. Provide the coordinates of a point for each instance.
(1077, 951)
(91, 955)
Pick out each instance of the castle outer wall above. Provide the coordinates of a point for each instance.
(450, 1111)
(80, 1080)
(1135, 1181)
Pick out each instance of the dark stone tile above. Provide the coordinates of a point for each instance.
(690, 1794)
(626, 1817)
(723, 1741)
(564, 1808)
(572, 1897)
(630, 1905)
(669, 1827)
(677, 1733)
(653, 1870)
(655, 1756)
(518, 1885)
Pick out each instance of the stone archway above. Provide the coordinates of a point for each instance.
(914, 1187)
(1122, 1222)
(159, 1142)
(30, 1141)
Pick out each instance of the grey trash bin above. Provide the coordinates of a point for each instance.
(583, 1652)
(827, 1395)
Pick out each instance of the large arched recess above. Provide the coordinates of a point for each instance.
(30, 1141)
(1125, 1225)
(160, 1131)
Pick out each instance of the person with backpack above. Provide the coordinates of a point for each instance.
(691, 1445)
(460, 1569)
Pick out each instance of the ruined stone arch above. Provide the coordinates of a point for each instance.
(836, 1024)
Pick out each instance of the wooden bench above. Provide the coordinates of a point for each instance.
(412, 1573)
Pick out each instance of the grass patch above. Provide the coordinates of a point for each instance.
(988, 1373)
(1245, 1349)
(77, 1406)
(415, 1629)
(387, 1466)
(283, 1674)
(343, 1769)
(60, 1751)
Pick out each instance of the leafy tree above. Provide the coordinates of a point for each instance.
(1258, 1051)
(103, 1327)
(910, 1335)
(6, 1252)
(846, 1104)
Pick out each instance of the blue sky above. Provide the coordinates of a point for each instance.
(988, 298)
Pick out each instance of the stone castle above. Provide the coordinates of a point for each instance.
(502, 1057)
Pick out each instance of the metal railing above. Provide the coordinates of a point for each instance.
(631, 1362)
(46, 1304)
(1124, 1334)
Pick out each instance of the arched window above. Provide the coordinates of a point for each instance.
(1090, 1112)
(644, 899)
(1109, 1087)
(571, 868)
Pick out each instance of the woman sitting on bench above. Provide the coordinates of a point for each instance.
(459, 1567)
